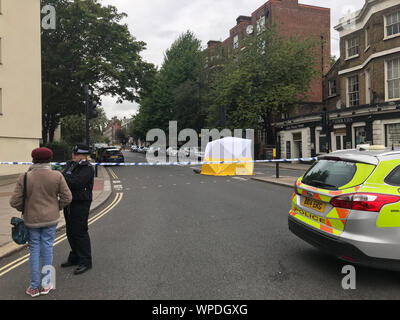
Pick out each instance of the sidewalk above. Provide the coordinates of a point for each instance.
(101, 192)
(294, 166)
(282, 181)
(285, 181)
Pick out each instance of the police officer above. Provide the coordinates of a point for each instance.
(79, 175)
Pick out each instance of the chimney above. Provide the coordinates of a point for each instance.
(241, 19)
(290, 3)
(213, 43)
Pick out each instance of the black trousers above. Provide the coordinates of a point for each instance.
(76, 219)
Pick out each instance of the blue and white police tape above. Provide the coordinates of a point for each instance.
(183, 163)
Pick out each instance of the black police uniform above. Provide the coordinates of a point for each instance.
(80, 180)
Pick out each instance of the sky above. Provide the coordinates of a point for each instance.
(160, 22)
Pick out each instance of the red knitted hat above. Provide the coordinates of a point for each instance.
(42, 155)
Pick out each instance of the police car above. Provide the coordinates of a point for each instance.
(348, 204)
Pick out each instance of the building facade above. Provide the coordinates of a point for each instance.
(111, 132)
(362, 89)
(20, 82)
(292, 19)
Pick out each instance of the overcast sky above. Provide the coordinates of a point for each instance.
(160, 22)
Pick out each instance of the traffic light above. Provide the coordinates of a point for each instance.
(92, 108)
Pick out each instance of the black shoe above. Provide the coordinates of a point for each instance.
(81, 269)
(68, 264)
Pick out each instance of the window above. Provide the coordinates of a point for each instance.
(393, 24)
(393, 79)
(330, 174)
(332, 88)
(323, 144)
(236, 42)
(367, 40)
(392, 134)
(352, 47)
(367, 87)
(353, 91)
(393, 178)
(360, 134)
(261, 25)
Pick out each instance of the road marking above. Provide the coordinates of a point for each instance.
(16, 263)
(239, 178)
(116, 181)
(118, 187)
(113, 173)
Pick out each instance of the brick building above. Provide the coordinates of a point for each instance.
(111, 131)
(362, 90)
(292, 20)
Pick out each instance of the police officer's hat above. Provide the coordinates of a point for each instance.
(81, 149)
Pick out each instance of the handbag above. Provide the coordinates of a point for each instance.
(19, 231)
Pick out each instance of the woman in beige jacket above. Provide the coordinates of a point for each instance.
(47, 193)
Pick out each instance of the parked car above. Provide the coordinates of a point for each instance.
(142, 149)
(172, 151)
(112, 155)
(348, 205)
(134, 148)
(153, 150)
(185, 151)
(101, 152)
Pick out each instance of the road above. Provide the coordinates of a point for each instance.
(175, 234)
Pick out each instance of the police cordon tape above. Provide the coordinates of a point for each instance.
(188, 163)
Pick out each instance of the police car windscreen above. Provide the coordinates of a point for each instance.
(330, 174)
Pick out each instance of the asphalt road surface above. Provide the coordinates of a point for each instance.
(170, 233)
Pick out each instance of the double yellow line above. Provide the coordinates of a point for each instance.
(16, 263)
(113, 174)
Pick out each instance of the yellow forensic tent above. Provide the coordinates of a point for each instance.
(228, 149)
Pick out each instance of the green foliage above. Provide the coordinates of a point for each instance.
(90, 45)
(175, 94)
(61, 150)
(73, 128)
(259, 82)
(333, 60)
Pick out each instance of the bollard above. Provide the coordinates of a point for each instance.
(96, 171)
(277, 170)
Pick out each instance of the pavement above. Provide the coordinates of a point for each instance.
(101, 192)
(283, 180)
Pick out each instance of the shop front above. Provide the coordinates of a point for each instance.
(345, 129)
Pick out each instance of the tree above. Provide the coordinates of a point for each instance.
(91, 46)
(333, 60)
(73, 128)
(259, 81)
(175, 93)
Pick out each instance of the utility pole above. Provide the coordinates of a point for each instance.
(90, 110)
(87, 114)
